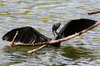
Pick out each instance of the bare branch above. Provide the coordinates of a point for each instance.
(95, 12)
(35, 44)
(12, 42)
(34, 50)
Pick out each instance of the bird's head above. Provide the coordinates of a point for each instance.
(54, 29)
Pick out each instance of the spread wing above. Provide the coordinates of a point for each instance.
(25, 35)
(75, 26)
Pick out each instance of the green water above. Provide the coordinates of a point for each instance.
(42, 14)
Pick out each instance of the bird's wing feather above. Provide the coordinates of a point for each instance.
(25, 35)
(75, 26)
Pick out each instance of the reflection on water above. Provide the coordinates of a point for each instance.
(40, 13)
(76, 53)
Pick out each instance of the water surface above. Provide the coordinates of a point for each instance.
(42, 14)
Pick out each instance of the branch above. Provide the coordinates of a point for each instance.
(66, 38)
(35, 44)
(95, 12)
(34, 50)
(12, 42)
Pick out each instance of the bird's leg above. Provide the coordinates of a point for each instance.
(12, 44)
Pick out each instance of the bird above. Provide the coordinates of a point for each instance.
(72, 27)
(29, 35)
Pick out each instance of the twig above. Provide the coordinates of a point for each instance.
(34, 50)
(66, 38)
(12, 43)
(95, 12)
(35, 44)
(24, 45)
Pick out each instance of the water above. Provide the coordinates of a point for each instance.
(42, 14)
